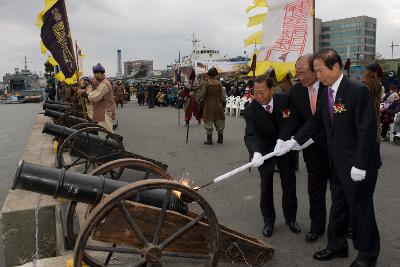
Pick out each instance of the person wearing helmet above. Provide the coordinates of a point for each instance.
(102, 99)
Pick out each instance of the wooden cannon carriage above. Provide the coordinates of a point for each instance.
(144, 223)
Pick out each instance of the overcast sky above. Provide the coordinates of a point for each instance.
(158, 29)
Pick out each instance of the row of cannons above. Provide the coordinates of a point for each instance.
(126, 209)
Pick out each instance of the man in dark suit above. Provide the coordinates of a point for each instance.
(346, 112)
(265, 117)
(303, 103)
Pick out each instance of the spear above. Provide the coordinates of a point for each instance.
(187, 133)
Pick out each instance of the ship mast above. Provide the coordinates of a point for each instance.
(26, 63)
(195, 42)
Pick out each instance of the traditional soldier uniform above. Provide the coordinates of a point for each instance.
(119, 94)
(88, 88)
(103, 101)
(213, 96)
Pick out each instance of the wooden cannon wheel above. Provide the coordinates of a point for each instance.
(78, 127)
(128, 163)
(91, 124)
(93, 156)
(172, 234)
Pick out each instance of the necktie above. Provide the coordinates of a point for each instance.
(331, 101)
(268, 109)
(313, 99)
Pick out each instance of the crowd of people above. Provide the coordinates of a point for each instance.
(337, 122)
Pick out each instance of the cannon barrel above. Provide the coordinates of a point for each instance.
(56, 107)
(56, 115)
(52, 113)
(82, 187)
(63, 132)
(48, 101)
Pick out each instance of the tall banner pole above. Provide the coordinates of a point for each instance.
(83, 102)
(313, 26)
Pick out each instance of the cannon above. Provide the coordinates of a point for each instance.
(89, 148)
(122, 230)
(71, 119)
(87, 189)
(67, 119)
(48, 101)
(57, 107)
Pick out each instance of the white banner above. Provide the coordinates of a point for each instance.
(287, 31)
(202, 67)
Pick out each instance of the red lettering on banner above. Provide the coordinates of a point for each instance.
(293, 37)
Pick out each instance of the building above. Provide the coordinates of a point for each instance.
(119, 65)
(132, 67)
(357, 34)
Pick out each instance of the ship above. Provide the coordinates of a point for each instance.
(203, 57)
(24, 83)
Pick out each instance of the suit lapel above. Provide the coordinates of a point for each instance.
(277, 112)
(263, 114)
(338, 99)
(323, 98)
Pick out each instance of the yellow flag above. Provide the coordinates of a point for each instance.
(255, 38)
(72, 80)
(43, 48)
(257, 3)
(60, 76)
(257, 19)
(52, 61)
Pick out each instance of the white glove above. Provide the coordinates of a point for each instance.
(278, 146)
(306, 144)
(357, 174)
(257, 160)
(287, 146)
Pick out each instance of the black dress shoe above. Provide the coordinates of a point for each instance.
(327, 254)
(312, 236)
(294, 227)
(268, 230)
(358, 263)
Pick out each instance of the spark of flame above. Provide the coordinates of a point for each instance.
(185, 182)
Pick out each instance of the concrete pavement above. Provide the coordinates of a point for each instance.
(155, 133)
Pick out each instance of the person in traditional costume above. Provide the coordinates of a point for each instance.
(102, 99)
(213, 96)
(119, 94)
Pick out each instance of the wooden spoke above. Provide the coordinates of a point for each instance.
(102, 145)
(76, 162)
(132, 223)
(162, 216)
(181, 231)
(146, 176)
(107, 261)
(80, 152)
